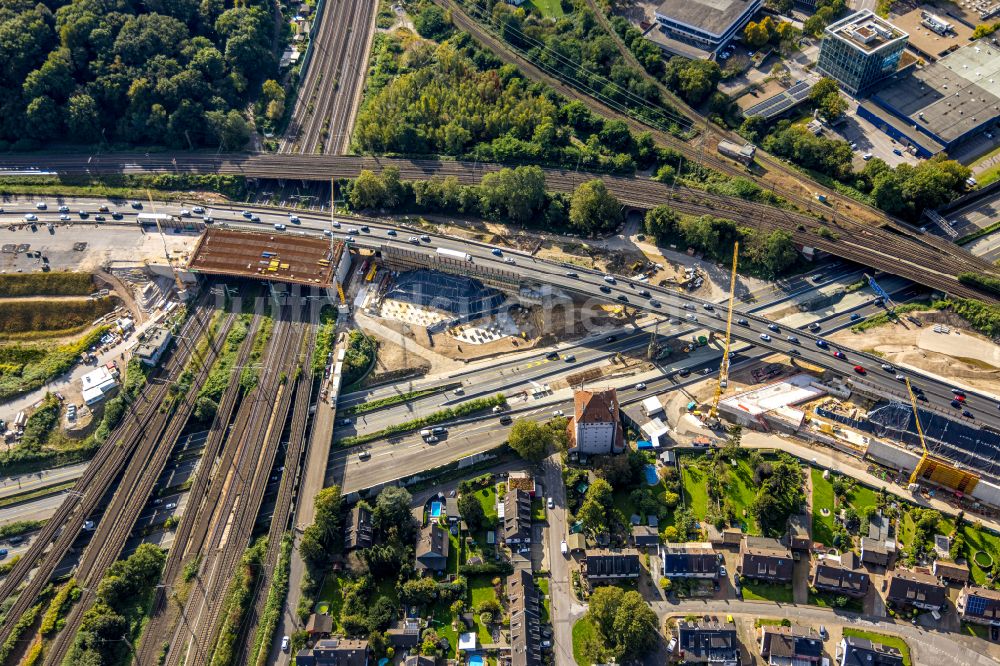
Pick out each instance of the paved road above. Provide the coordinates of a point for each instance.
(14, 485)
(564, 608)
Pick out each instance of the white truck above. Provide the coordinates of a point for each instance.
(454, 254)
(154, 218)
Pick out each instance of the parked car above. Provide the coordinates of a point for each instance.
(170, 506)
(285, 642)
(551, 503)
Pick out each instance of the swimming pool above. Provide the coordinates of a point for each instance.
(475, 660)
(651, 477)
(435, 509)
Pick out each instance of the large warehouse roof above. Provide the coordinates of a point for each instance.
(949, 98)
(712, 16)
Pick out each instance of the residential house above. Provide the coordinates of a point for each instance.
(797, 536)
(644, 536)
(418, 660)
(690, 560)
(405, 634)
(516, 520)
(432, 548)
(979, 605)
(915, 589)
(952, 572)
(856, 651)
(596, 426)
(790, 646)
(713, 643)
(874, 553)
(521, 481)
(766, 560)
(358, 532)
(840, 574)
(319, 626)
(335, 652)
(727, 536)
(611, 565)
(523, 603)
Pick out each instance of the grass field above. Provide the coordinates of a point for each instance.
(548, 8)
(693, 479)
(488, 499)
(824, 600)
(861, 497)
(442, 625)
(985, 541)
(51, 317)
(822, 498)
(740, 491)
(884, 639)
(583, 631)
(45, 284)
(542, 583)
(480, 590)
(332, 593)
(781, 594)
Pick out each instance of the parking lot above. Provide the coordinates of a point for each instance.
(870, 140)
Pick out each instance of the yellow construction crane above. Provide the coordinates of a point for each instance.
(920, 432)
(713, 413)
(166, 252)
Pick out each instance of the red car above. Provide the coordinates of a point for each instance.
(858, 369)
(959, 397)
(839, 354)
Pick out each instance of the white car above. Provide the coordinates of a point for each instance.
(41, 205)
(294, 219)
(551, 503)
(641, 386)
(185, 212)
(30, 217)
(65, 218)
(508, 260)
(765, 337)
(558, 412)
(887, 367)
(279, 226)
(62, 209)
(198, 209)
(169, 506)
(327, 232)
(609, 279)
(285, 642)
(564, 547)
(866, 156)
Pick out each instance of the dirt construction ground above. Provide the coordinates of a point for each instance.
(959, 354)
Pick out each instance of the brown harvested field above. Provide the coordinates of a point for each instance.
(46, 284)
(278, 256)
(51, 315)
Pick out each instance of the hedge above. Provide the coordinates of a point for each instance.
(503, 568)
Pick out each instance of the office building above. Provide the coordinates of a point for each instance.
(699, 28)
(860, 51)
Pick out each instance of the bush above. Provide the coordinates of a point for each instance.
(502, 568)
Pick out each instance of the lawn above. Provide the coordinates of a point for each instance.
(982, 541)
(454, 553)
(583, 631)
(548, 8)
(860, 497)
(442, 625)
(884, 639)
(480, 590)
(826, 600)
(332, 593)
(538, 510)
(488, 499)
(542, 583)
(779, 594)
(740, 491)
(822, 498)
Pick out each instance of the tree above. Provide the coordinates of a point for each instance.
(593, 512)
(432, 23)
(517, 193)
(626, 624)
(755, 35)
(661, 221)
(780, 494)
(367, 191)
(593, 208)
(693, 79)
(392, 513)
(472, 511)
(530, 439)
(420, 591)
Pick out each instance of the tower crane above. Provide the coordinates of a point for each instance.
(920, 432)
(713, 413)
(166, 252)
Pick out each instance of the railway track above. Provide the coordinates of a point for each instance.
(64, 527)
(238, 495)
(324, 115)
(284, 507)
(132, 494)
(194, 514)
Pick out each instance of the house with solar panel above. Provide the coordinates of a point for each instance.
(979, 605)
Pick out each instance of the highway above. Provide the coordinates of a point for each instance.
(890, 247)
(325, 108)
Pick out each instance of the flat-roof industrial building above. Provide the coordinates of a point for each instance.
(941, 105)
(698, 28)
(860, 50)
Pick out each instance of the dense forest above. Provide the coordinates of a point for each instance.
(174, 72)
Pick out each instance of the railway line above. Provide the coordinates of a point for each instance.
(133, 493)
(197, 512)
(284, 507)
(239, 492)
(324, 113)
(53, 542)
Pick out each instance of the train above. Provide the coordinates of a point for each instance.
(744, 153)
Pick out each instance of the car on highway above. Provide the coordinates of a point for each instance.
(506, 419)
(644, 292)
(170, 506)
(742, 322)
(794, 340)
(960, 397)
(557, 413)
(552, 356)
(855, 316)
(814, 327)
(774, 327)
(41, 205)
(958, 391)
(497, 252)
(765, 337)
(708, 306)
(605, 289)
(887, 367)
(185, 212)
(569, 358)
(683, 372)
(611, 338)
(285, 642)
(208, 220)
(30, 217)
(118, 216)
(414, 240)
(431, 439)
(508, 260)
(390, 232)
(247, 214)
(65, 218)
(967, 414)
(572, 275)
(99, 218)
(839, 354)
(137, 205)
(83, 214)
(822, 344)
(198, 210)
(425, 238)
(344, 422)
(688, 306)
(897, 151)
(335, 224)
(956, 404)
(654, 303)
(691, 318)
(255, 218)
(622, 297)
(294, 219)
(279, 226)
(641, 386)
(609, 279)
(364, 455)
(859, 369)
(900, 378)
